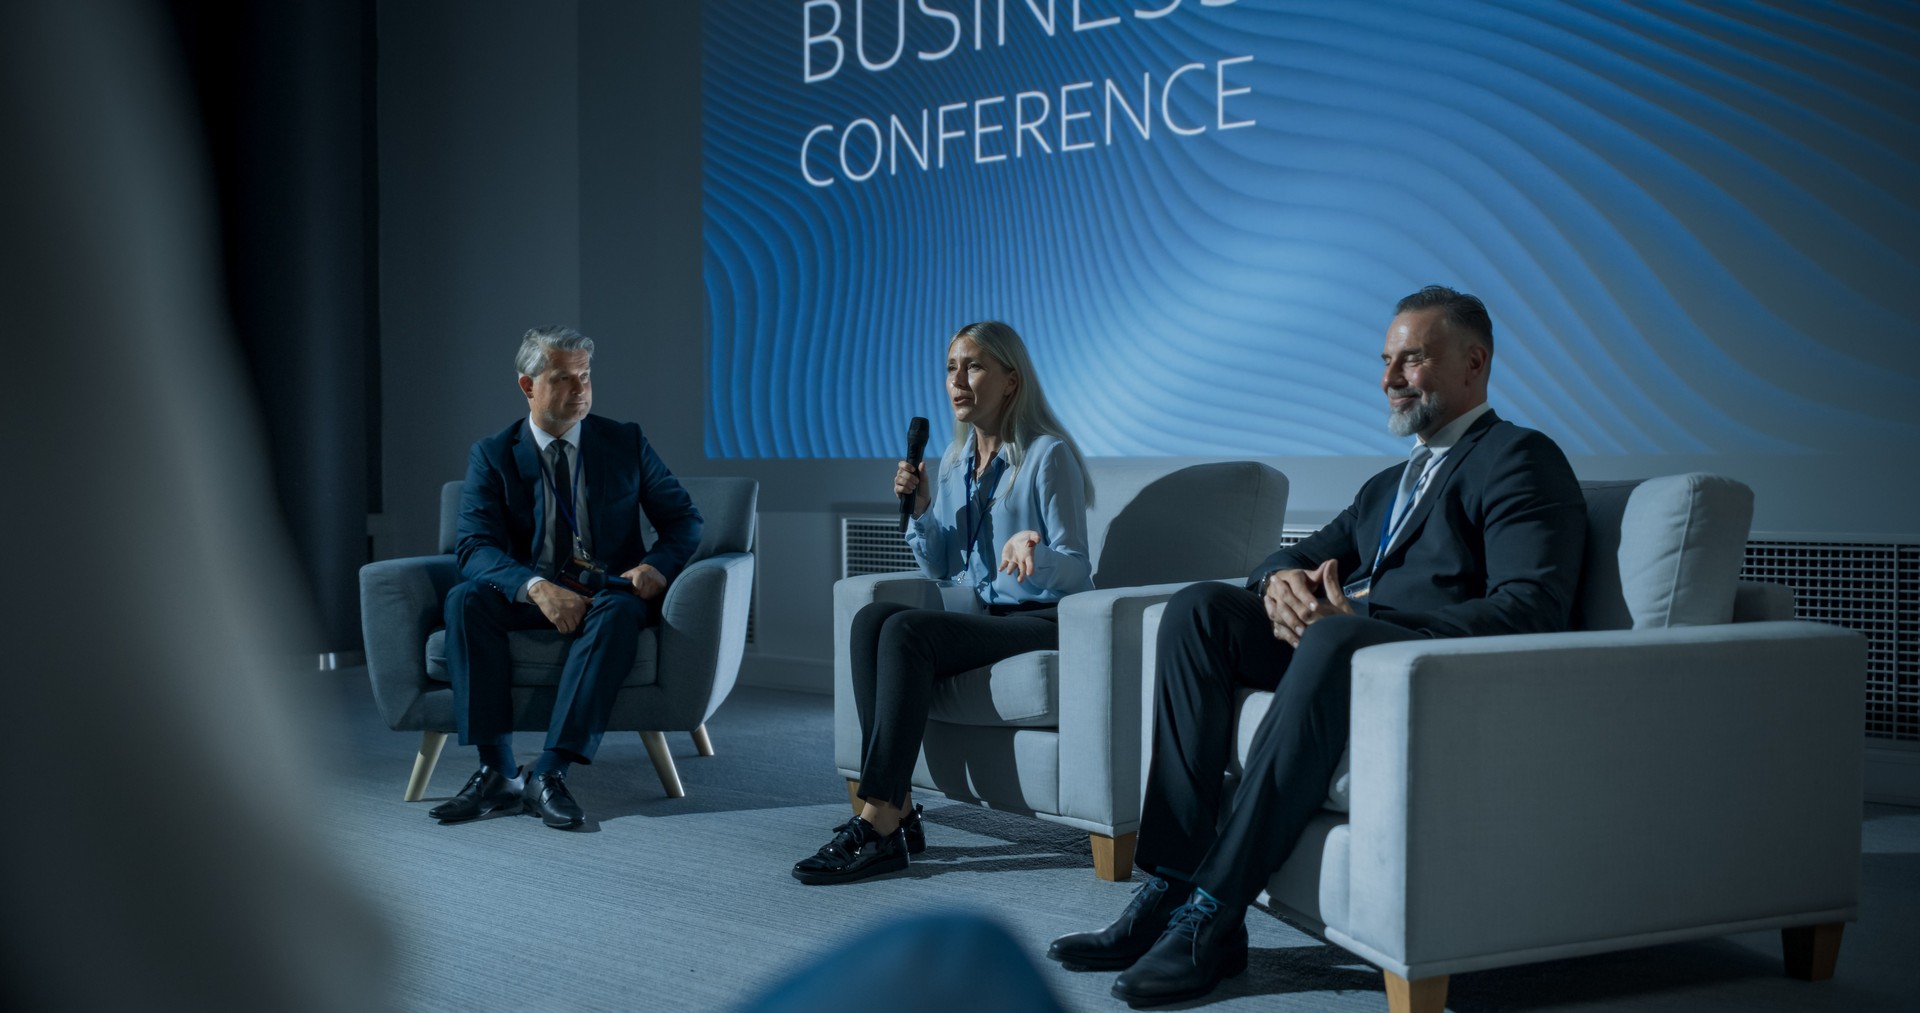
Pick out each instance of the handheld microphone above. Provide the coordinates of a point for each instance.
(916, 446)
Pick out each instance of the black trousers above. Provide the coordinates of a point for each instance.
(1214, 639)
(898, 654)
(479, 618)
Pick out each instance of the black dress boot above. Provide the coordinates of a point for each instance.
(1132, 934)
(1204, 944)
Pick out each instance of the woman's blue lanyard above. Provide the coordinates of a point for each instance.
(973, 526)
(566, 509)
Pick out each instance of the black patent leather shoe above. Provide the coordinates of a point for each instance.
(855, 853)
(1131, 935)
(548, 798)
(486, 791)
(1204, 945)
(916, 834)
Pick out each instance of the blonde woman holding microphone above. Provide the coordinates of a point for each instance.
(1004, 514)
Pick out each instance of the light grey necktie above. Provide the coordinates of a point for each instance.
(1409, 483)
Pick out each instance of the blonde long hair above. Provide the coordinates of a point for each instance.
(1028, 415)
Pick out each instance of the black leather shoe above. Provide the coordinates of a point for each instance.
(855, 853)
(548, 798)
(910, 826)
(1131, 935)
(1204, 945)
(486, 791)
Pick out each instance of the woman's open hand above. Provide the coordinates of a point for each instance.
(1017, 557)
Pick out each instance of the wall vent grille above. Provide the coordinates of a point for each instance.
(873, 545)
(1870, 587)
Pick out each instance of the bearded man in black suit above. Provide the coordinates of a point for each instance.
(1480, 533)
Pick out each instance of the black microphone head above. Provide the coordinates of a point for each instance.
(916, 438)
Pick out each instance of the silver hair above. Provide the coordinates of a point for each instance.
(537, 343)
(1027, 415)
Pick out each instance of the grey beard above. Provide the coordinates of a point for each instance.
(1415, 419)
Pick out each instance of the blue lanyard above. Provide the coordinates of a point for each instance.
(973, 526)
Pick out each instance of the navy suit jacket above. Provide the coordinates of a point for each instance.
(1495, 545)
(502, 508)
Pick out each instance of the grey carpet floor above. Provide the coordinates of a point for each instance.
(687, 904)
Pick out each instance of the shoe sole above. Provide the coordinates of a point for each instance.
(564, 824)
(1233, 969)
(830, 878)
(467, 819)
(1095, 964)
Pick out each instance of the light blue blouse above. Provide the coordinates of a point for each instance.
(961, 539)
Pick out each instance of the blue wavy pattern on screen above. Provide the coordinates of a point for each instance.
(1694, 224)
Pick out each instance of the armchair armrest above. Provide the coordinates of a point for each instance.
(703, 634)
(402, 601)
(1532, 797)
(850, 595)
(1102, 657)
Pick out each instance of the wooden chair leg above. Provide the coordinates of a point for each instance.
(853, 795)
(423, 763)
(1811, 950)
(1427, 995)
(663, 763)
(1113, 856)
(701, 742)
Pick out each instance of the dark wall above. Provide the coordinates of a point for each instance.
(640, 287)
(284, 94)
(479, 132)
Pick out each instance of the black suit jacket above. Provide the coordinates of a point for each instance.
(502, 508)
(1493, 547)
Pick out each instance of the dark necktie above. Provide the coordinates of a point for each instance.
(562, 505)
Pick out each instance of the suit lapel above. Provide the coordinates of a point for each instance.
(526, 457)
(1449, 466)
(594, 444)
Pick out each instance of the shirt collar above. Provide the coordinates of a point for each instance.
(1450, 433)
(973, 462)
(543, 439)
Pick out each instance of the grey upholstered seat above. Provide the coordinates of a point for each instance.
(686, 665)
(1054, 734)
(1685, 763)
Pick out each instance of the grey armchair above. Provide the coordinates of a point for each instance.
(1685, 764)
(1054, 734)
(686, 666)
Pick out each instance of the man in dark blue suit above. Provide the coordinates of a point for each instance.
(551, 509)
(1481, 532)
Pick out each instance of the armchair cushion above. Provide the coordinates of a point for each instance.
(1663, 552)
(539, 655)
(1021, 691)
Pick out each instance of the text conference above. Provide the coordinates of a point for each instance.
(863, 147)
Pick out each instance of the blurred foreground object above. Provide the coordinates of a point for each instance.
(161, 852)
